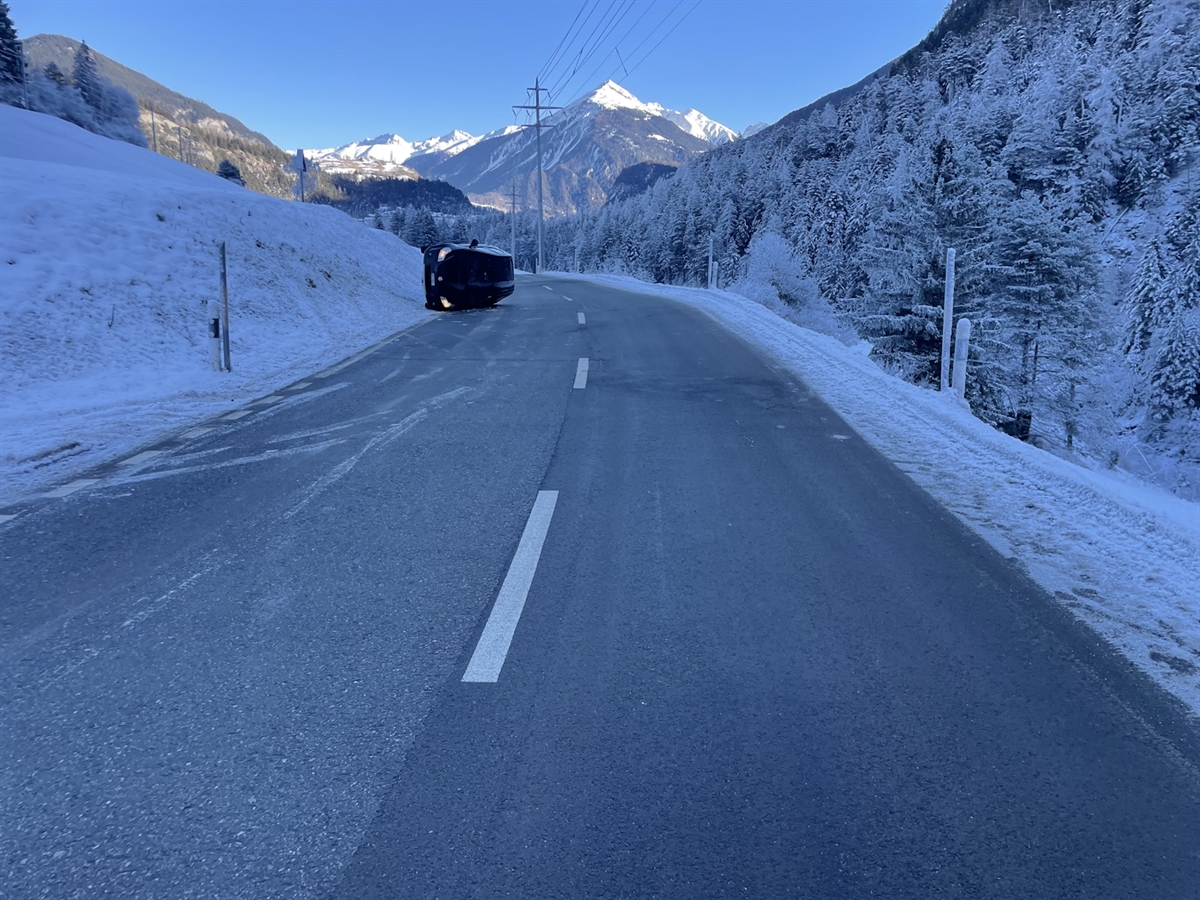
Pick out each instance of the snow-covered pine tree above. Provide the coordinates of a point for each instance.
(1145, 305)
(86, 78)
(422, 229)
(230, 172)
(55, 74)
(12, 56)
(1175, 368)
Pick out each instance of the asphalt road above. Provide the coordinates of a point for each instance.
(726, 649)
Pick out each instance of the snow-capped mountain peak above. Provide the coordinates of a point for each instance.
(387, 154)
(697, 124)
(611, 95)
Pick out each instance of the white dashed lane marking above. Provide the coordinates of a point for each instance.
(274, 398)
(237, 415)
(196, 432)
(7, 518)
(300, 386)
(547, 287)
(582, 320)
(71, 488)
(565, 297)
(141, 457)
(581, 373)
(492, 649)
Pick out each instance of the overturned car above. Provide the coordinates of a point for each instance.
(459, 276)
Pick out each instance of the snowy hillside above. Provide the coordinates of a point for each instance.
(110, 255)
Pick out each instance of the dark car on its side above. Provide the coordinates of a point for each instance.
(460, 276)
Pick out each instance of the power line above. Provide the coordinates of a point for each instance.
(566, 57)
(588, 82)
(589, 51)
(542, 71)
(628, 65)
(664, 37)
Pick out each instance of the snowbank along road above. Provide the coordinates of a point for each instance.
(576, 596)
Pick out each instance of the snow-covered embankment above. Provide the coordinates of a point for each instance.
(1123, 556)
(108, 258)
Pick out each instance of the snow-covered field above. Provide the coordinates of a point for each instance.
(1122, 555)
(108, 258)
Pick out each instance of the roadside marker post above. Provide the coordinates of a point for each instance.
(962, 345)
(225, 310)
(947, 319)
(214, 333)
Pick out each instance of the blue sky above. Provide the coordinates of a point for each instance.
(321, 74)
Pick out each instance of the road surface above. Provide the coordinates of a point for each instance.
(579, 596)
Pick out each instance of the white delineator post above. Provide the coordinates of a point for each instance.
(947, 319)
(214, 333)
(962, 345)
(225, 311)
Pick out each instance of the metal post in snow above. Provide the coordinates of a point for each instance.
(214, 333)
(154, 129)
(302, 166)
(514, 224)
(225, 310)
(947, 319)
(710, 262)
(962, 345)
(716, 274)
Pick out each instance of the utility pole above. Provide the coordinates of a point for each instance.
(537, 108)
(302, 166)
(24, 76)
(710, 271)
(154, 129)
(179, 129)
(513, 218)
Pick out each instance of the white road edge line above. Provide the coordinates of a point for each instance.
(581, 373)
(497, 636)
(582, 320)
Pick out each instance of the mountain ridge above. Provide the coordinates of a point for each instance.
(585, 148)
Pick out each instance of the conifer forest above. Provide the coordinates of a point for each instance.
(1052, 145)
